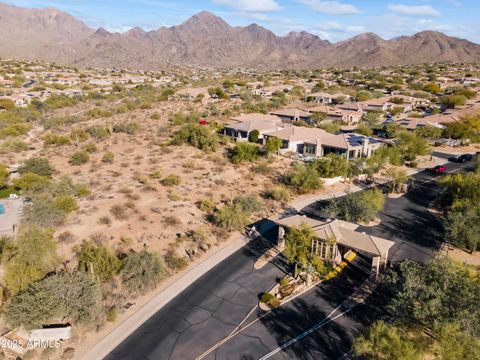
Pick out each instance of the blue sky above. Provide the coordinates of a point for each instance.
(333, 20)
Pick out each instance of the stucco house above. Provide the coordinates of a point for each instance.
(240, 127)
(314, 142)
(333, 238)
(292, 115)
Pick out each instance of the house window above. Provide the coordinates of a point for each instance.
(310, 149)
(323, 249)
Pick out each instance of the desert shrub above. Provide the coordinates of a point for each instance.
(207, 205)
(58, 298)
(332, 165)
(79, 158)
(304, 178)
(130, 128)
(12, 145)
(108, 157)
(248, 204)
(171, 180)
(44, 211)
(171, 221)
(30, 182)
(198, 136)
(119, 212)
(361, 206)
(51, 139)
(279, 193)
(142, 271)
(244, 151)
(38, 166)
(112, 314)
(175, 262)
(270, 300)
(79, 135)
(98, 260)
(98, 132)
(231, 217)
(33, 255)
(263, 168)
(253, 136)
(105, 220)
(66, 204)
(90, 148)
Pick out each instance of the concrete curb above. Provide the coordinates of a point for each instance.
(127, 327)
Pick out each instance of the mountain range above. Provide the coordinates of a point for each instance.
(206, 40)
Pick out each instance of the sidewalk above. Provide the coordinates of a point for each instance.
(123, 330)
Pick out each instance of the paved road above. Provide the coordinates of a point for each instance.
(209, 310)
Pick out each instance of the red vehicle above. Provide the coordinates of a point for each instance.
(438, 169)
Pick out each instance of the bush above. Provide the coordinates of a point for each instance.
(98, 260)
(174, 261)
(244, 152)
(279, 193)
(119, 212)
(130, 128)
(332, 165)
(270, 300)
(59, 298)
(66, 204)
(108, 157)
(32, 256)
(91, 148)
(55, 140)
(231, 217)
(38, 166)
(171, 180)
(207, 205)
(45, 212)
(30, 182)
(79, 158)
(142, 271)
(304, 178)
(198, 136)
(98, 132)
(362, 206)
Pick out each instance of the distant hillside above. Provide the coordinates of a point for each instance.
(206, 40)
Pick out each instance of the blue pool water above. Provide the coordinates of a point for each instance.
(2, 209)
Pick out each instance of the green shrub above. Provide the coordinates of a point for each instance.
(304, 178)
(51, 139)
(198, 136)
(79, 158)
(91, 148)
(279, 193)
(66, 203)
(98, 260)
(32, 256)
(171, 180)
(79, 135)
(142, 271)
(244, 151)
(62, 297)
(38, 166)
(98, 132)
(108, 157)
(129, 128)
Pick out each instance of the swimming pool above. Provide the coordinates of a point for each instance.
(2, 209)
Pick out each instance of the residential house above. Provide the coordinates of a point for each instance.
(292, 115)
(241, 126)
(326, 98)
(314, 142)
(347, 117)
(334, 238)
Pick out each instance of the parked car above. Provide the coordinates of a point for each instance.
(438, 169)
(462, 158)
